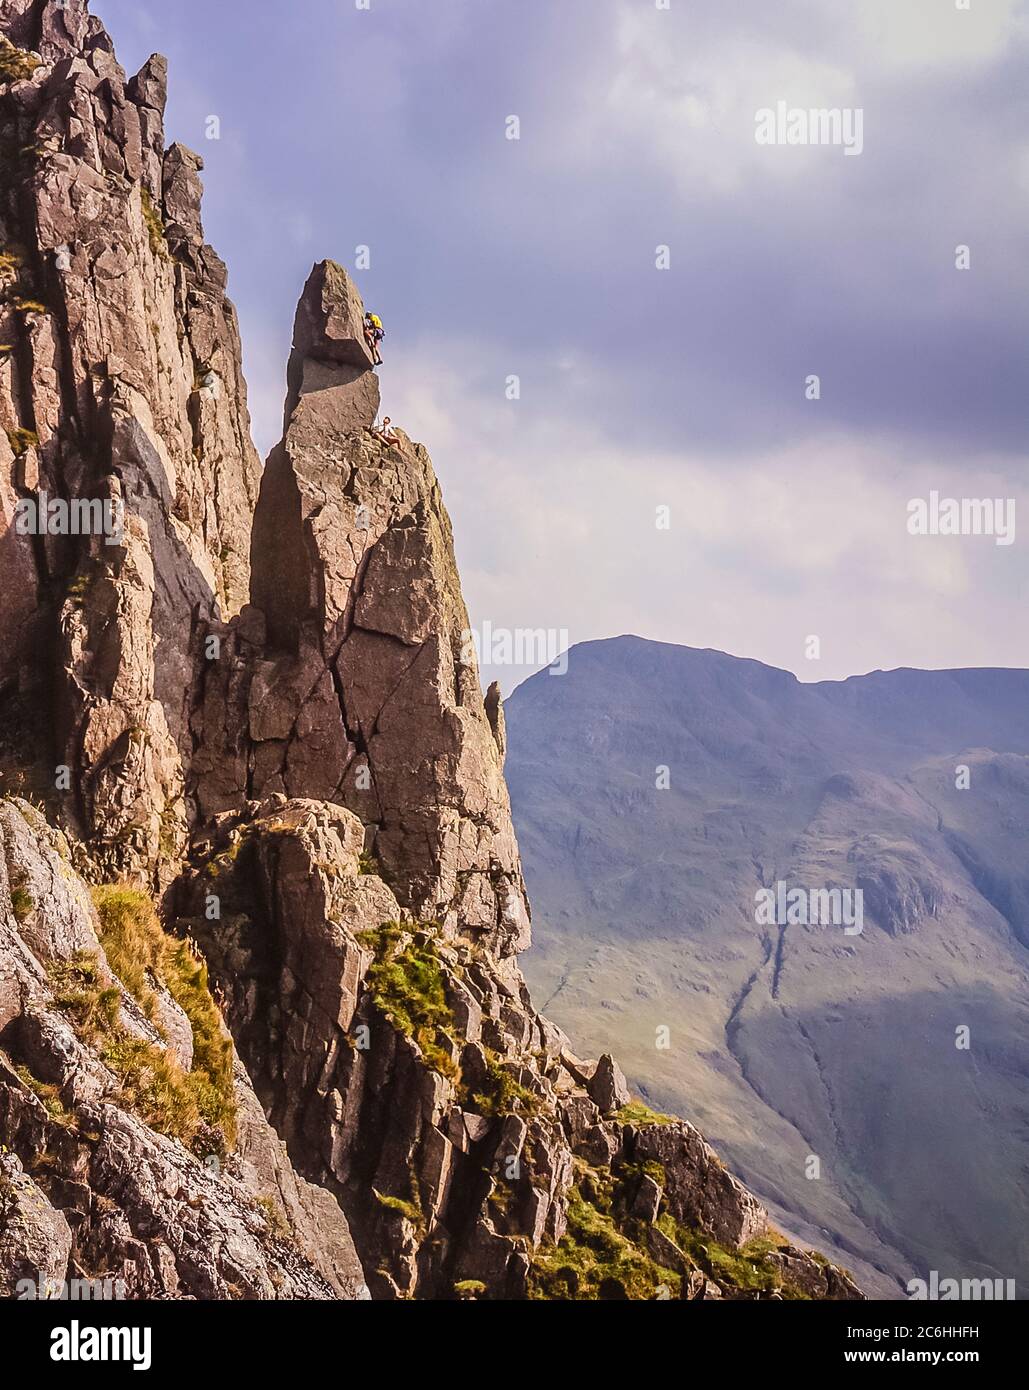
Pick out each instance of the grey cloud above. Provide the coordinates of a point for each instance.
(386, 127)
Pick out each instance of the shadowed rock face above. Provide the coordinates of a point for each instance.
(122, 381)
(311, 781)
(796, 1040)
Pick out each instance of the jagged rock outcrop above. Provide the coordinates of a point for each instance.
(89, 1186)
(353, 677)
(409, 1074)
(120, 382)
(313, 782)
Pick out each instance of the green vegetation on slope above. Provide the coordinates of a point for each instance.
(744, 1270)
(136, 944)
(198, 1106)
(596, 1259)
(406, 985)
(638, 1114)
(22, 903)
(49, 1095)
(154, 225)
(604, 1253)
(21, 441)
(502, 1093)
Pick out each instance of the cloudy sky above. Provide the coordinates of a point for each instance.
(644, 388)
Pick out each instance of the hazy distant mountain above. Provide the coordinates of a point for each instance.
(792, 1041)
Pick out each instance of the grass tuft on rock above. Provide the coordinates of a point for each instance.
(79, 992)
(50, 1096)
(154, 223)
(16, 64)
(152, 1083)
(10, 268)
(469, 1289)
(410, 1210)
(275, 1217)
(23, 904)
(139, 951)
(197, 1107)
(502, 1093)
(594, 1260)
(406, 985)
(640, 1115)
(21, 441)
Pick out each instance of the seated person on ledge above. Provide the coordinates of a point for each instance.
(385, 431)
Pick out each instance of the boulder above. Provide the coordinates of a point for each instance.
(329, 324)
(607, 1086)
(35, 1238)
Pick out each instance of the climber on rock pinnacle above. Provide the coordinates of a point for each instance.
(374, 334)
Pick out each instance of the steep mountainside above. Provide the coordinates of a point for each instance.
(791, 1040)
(249, 704)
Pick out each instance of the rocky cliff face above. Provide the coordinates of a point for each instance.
(351, 678)
(133, 1147)
(120, 381)
(264, 709)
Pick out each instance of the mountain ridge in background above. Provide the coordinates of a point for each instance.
(795, 1042)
